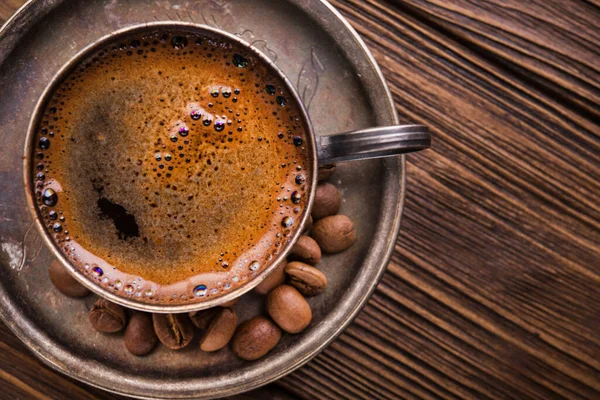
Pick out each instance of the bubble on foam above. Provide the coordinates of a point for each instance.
(287, 222)
(44, 143)
(196, 114)
(200, 291)
(184, 131)
(296, 197)
(179, 42)
(49, 197)
(219, 125)
(239, 61)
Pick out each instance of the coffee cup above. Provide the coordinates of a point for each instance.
(304, 153)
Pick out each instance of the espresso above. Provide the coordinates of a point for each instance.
(172, 166)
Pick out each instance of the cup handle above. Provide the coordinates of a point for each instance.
(372, 143)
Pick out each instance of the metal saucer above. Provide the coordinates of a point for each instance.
(343, 90)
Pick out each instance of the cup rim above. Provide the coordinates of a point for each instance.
(36, 117)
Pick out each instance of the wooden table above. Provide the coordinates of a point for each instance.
(493, 291)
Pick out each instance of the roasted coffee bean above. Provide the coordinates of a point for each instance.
(220, 330)
(254, 338)
(230, 303)
(173, 330)
(306, 250)
(274, 279)
(107, 317)
(140, 338)
(325, 172)
(309, 224)
(327, 201)
(203, 318)
(334, 234)
(308, 280)
(289, 309)
(64, 282)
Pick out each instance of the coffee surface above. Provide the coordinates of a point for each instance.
(171, 166)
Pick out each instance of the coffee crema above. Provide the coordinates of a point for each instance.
(172, 166)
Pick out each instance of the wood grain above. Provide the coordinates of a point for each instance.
(493, 291)
(8, 7)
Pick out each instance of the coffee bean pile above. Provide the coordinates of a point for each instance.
(286, 290)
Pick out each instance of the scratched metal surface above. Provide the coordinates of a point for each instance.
(342, 90)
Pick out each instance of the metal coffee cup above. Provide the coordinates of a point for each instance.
(349, 146)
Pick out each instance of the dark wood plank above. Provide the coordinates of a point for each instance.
(494, 288)
(8, 7)
(552, 43)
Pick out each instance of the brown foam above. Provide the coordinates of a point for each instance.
(160, 217)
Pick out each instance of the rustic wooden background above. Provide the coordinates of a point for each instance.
(494, 288)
